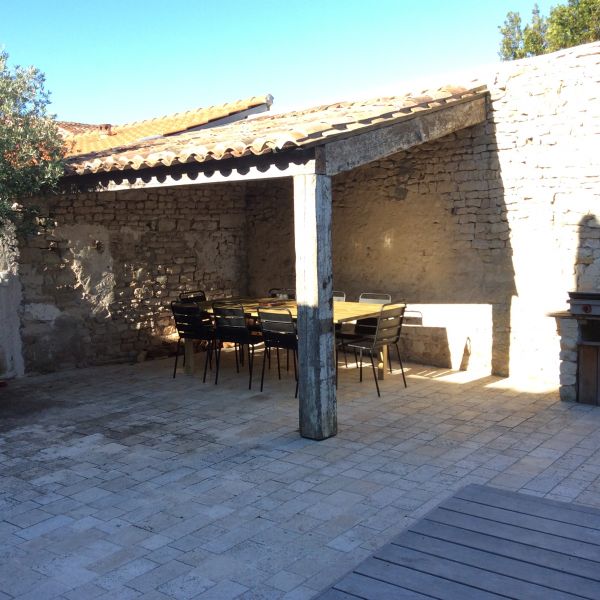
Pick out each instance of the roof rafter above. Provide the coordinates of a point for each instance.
(364, 147)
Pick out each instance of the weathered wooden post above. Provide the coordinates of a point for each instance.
(312, 227)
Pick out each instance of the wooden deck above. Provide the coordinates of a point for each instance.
(485, 543)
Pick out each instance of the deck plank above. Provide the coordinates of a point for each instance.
(486, 543)
(532, 522)
(479, 581)
(415, 580)
(367, 588)
(515, 533)
(585, 516)
(554, 582)
(333, 594)
(570, 565)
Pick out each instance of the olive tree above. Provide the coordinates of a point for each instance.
(31, 149)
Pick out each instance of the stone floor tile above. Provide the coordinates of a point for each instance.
(224, 590)
(302, 592)
(285, 581)
(159, 576)
(179, 489)
(186, 586)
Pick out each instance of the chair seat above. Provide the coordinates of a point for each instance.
(365, 343)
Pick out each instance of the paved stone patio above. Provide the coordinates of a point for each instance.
(120, 482)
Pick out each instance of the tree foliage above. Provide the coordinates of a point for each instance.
(31, 149)
(577, 22)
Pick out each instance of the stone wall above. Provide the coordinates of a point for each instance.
(97, 285)
(546, 114)
(501, 217)
(501, 214)
(270, 233)
(11, 358)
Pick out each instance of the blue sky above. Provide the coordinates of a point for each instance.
(121, 61)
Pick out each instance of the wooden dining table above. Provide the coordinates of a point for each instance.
(343, 312)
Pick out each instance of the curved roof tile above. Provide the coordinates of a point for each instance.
(263, 134)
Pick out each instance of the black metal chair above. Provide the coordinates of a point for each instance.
(231, 326)
(193, 296)
(362, 327)
(278, 331)
(387, 333)
(366, 327)
(193, 323)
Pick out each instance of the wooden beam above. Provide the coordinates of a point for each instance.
(379, 142)
(312, 228)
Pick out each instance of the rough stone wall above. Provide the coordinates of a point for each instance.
(11, 359)
(270, 232)
(501, 214)
(546, 115)
(97, 285)
(429, 226)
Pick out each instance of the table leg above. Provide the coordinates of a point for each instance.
(189, 356)
(383, 361)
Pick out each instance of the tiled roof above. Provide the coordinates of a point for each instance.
(69, 128)
(86, 139)
(269, 133)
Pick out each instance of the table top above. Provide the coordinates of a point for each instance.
(343, 312)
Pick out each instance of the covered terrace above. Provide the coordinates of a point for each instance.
(311, 148)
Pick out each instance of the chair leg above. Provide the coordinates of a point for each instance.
(250, 363)
(287, 360)
(389, 359)
(242, 355)
(237, 364)
(217, 360)
(278, 365)
(262, 376)
(375, 375)
(360, 354)
(401, 365)
(177, 357)
(207, 359)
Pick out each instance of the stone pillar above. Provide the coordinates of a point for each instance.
(568, 332)
(312, 229)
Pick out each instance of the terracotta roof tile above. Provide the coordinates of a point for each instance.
(84, 139)
(268, 133)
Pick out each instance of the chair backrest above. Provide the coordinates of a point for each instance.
(374, 298)
(283, 293)
(192, 321)
(278, 327)
(389, 324)
(193, 296)
(339, 296)
(229, 314)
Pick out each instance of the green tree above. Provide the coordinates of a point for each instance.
(577, 22)
(31, 149)
(511, 46)
(534, 34)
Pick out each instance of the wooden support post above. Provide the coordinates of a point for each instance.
(312, 227)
